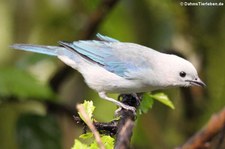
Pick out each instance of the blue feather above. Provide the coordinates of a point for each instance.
(49, 50)
(106, 38)
(104, 54)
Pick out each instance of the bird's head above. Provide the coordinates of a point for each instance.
(180, 72)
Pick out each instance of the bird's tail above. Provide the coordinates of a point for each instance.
(68, 56)
(49, 50)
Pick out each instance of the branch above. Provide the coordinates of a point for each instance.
(89, 30)
(124, 135)
(107, 128)
(126, 122)
(122, 129)
(201, 139)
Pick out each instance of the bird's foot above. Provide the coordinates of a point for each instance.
(131, 108)
(117, 112)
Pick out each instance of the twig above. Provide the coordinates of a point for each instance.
(202, 138)
(107, 128)
(80, 108)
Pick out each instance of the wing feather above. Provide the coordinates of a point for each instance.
(109, 55)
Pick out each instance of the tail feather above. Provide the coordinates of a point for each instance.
(49, 50)
(68, 56)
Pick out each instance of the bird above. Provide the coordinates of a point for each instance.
(111, 66)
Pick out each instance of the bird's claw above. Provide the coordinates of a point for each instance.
(117, 112)
(133, 109)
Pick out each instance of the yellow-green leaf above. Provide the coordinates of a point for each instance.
(89, 109)
(108, 142)
(163, 98)
(79, 145)
(86, 135)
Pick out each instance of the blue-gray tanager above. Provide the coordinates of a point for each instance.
(111, 66)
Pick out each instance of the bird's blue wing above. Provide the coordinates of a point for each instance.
(106, 38)
(104, 54)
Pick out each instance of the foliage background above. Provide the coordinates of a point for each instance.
(32, 115)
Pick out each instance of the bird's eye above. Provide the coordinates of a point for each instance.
(182, 74)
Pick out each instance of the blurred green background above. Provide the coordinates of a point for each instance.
(36, 112)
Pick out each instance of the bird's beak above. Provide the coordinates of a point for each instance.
(197, 82)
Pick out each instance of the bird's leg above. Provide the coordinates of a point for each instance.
(132, 99)
(120, 104)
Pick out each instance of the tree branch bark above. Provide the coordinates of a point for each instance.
(126, 122)
(202, 138)
(124, 135)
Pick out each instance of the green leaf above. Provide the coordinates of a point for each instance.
(163, 98)
(86, 135)
(108, 142)
(19, 83)
(89, 109)
(146, 103)
(94, 145)
(79, 145)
